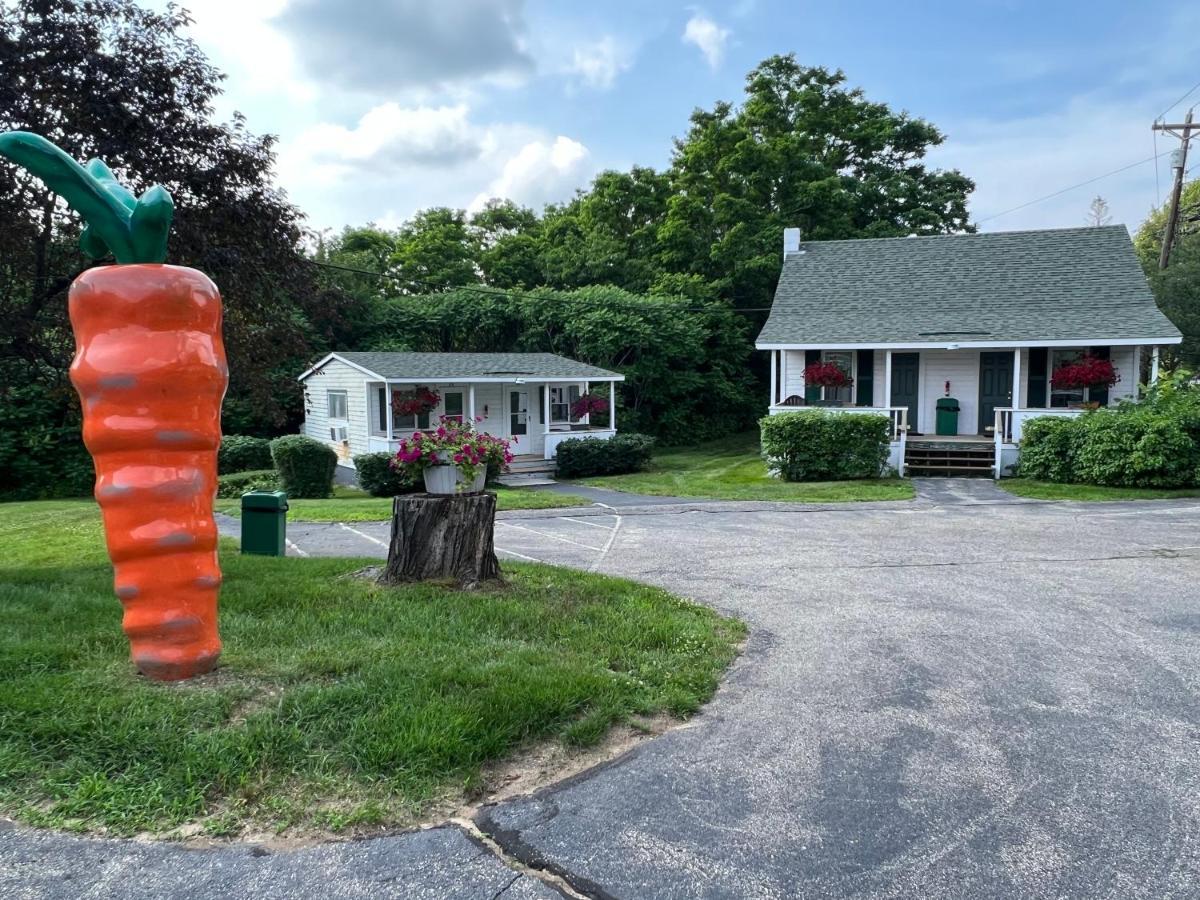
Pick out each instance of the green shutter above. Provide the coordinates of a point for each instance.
(812, 392)
(541, 392)
(865, 383)
(1037, 377)
(1099, 395)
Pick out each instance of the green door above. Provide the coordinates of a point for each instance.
(906, 388)
(995, 385)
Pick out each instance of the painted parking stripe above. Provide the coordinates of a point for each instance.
(585, 522)
(291, 545)
(363, 535)
(517, 555)
(554, 537)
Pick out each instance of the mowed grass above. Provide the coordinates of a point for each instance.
(338, 703)
(732, 469)
(352, 505)
(1049, 490)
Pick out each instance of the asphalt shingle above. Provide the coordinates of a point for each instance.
(1064, 284)
(474, 365)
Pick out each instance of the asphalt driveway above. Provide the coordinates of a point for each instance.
(965, 696)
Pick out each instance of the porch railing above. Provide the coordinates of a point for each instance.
(1010, 424)
(897, 415)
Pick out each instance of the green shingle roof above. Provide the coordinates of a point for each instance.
(1019, 286)
(474, 365)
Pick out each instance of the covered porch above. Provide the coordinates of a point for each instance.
(535, 414)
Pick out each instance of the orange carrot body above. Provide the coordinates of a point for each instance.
(150, 369)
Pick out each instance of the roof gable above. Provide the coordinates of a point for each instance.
(1067, 284)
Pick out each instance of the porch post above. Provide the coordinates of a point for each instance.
(612, 405)
(1016, 398)
(774, 380)
(1137, 372)
(1153, 365)
(887, 382)
(546, 406)
(387, 390)
(471, 403)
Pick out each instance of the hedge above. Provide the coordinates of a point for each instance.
(305, 466)
(622, 453)
(1131, 446)
(243, 453)
(377, 477)
(231, 487)
(813, 445)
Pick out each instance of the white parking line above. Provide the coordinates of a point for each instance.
(584, 522)
(611, 538)
(291, 545)
(382, 544)
(554, 537)
(517, 555)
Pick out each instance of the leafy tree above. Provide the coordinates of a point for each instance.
(434, 249)
(1148, 239)
(802, 149)
(509, 241)
(1176, 288)
(109, 79)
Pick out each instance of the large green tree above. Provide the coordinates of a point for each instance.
(1176, 288)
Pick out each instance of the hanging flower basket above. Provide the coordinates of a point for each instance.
(827, 374)
(587, 404)
(1085, 372)
(415, 403)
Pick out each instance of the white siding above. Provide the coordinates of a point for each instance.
(793, 373)
(961, 369)
(1123, 358)
(336, 376)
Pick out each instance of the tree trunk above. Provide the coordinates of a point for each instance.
(443, 538)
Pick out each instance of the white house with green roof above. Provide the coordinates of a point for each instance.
(982, 319)
(354, 401)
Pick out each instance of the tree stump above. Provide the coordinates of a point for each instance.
(443, 537)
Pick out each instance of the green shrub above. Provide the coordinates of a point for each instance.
(41, 449)
(305, 466)
(243, 453)
(1049, 445)
(622, 453)
(823, 446)
(377, 477)
(232, 486)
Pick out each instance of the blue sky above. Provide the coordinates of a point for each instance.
(383, 107)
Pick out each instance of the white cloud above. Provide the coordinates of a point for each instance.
(386, 137)
(599, 63)
(540, 172)
(708, 36)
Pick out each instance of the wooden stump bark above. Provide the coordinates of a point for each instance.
(443, 537)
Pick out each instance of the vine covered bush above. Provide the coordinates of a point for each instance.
(243, 453)
(305, 466)
(812, 445)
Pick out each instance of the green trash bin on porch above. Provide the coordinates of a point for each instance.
(947, 415)
(264, 523)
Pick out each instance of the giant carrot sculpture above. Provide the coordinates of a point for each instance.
(150, 370)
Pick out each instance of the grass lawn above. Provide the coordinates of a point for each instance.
(1049, 490)
(338, 703)
(731, 469)
(352, 505)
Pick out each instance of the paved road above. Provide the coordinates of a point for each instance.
(963, 696)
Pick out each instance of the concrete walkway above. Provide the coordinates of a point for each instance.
(966, 695)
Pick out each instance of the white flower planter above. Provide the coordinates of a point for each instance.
(441, 479)
(476, 484)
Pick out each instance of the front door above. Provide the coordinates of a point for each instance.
(995, 386)
(906, 379)
(518, 406)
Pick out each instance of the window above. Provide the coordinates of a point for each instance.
(337, 405)
(453, 405)
(1064, 397)
(845, 361)
(401, 425)
(562, 398)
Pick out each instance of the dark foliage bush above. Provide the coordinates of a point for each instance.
(824, 446)
(305, 466)
(622, 453)
(1049, 445)
(41, 452)
(231, 487)
(377, 477)
(243, 453)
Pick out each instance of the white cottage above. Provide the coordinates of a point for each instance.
(526, 397)
(982, 319)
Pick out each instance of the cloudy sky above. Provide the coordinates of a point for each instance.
(384, 107)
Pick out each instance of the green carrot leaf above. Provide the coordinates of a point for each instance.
(150, 223)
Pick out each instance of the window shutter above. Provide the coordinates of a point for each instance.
(812, 392)
(865, 383)
(541, 392)
(1099, 395)
(1036, 397)
(381, 393)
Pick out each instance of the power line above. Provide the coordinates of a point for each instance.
(522, 295)
(1180, 100)
(1140, 162)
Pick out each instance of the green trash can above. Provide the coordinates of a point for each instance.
(947, 415)
(264, 523)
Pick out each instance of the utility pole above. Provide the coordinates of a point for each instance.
(1179, 164)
